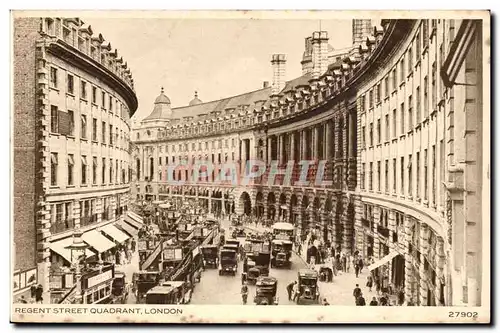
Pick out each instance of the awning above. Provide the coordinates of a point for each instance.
(127, 228)
(115, 233)
(133, 222)
(60, 247)
(382, 261)
(98, 241)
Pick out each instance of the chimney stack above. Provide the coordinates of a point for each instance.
(319, 53)
(307, 57)
(265, 84)
(278, 63)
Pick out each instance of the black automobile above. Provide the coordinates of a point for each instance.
(228, 262)
(308, 287)
(210, 255)
(265, 291)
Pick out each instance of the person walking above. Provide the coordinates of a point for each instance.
(344, 263)
(360, 301)
(369, 282)
(356, 292)
(377, 284)
(374, 302)
(289, 289)
(361, 264)
(296, 291)
(348, 263)
(132, 245)
(356, 268)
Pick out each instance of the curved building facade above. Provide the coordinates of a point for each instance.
(71, 143)
(382, 126)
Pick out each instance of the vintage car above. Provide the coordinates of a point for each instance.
(170, 292)
(143, 281)
(119, 288)
(238, 232)
(228, 262)
(252, 271)
(265, 291)
(210, 255)
(281, 253)
(308, 287)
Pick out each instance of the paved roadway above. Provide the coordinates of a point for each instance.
(215, 289)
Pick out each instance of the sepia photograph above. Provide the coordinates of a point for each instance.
(175, 166)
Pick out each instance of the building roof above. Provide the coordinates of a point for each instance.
(195, 100)
(161, 110)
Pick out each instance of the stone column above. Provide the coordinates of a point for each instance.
(424, 246)
(304, 144)
(292, 146)
(316, 142)
(269, 149)
(281, 149)
(323, 218)
(409, 276)
(244, 156)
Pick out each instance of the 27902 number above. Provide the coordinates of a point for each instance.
(462, 314)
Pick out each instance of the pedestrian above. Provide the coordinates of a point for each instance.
(369, 282)
(356, 268)
(374, 302)
(296, 291)
(361, 264)
(243, 277)
(356, 292)
(344, 263)
(299, 249)
(289, 289)
(360, 301)
(377, 284)
(132, 245)
(401, 296)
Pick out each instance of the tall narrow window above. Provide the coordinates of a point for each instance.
(53, 77)
(111, 103)
(426, 97)
(418, 176)
(370, 99)
(410, 113)
(379, 131)
(83, 133)
(103, 132)
(103, 100)
(387, 127)
(53, 169)
(94, 129)
(70, 86)
(386, 176)
(434, 174)
(379, 175)
(363, 136)
(84, 170)
(426, 175)
(394, 124)
(410, 60)
(402, 118)
(434, 86)
(71, 163)
(71, 116)
(371, 134)
(54, 119)
(386, 86)
(94, 170)
(111, 171)
(94, 95)
(370, 177)
(419, 46)
(110, 134)
(417, 91)
(103, 171)
(363, 170)
(410, 180)
(394, 80)
(402, 176)
(402, 69)
(83, 89)
(394, 173)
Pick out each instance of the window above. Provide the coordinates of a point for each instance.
(426, 98)
(117, 135)
(418, 104)
(426, 175)
(71, 88)
(418, 175)
(425, 33)
(53, 169)
(103, 171)
(386, 176)
(117, 172)
(110, 103)
(103, 132)
(394, 80)
(386, 86)
(110, 134)
(410, 60)
(363, 170)
(410, 113)
(71, 164)
(370, 99)
(84, 126)
(394, 122)
(379, 175)
(402, 175)
(410, 180)
(402, 69)
(434, 174)
(419, 45)
(377, 93)
(54, 119)
(363, 136)
(94, 170)
(83, 88)
(103, 100)
(71, 119)
(94, 95)
(84, 170)
(53, 77)
(402, 118)
(434, 86)
(94, 129)
(110, 170)
(387, 127)
(394, 172)
(370, 177)
(371, 134)
(362, 103)
(379, 131)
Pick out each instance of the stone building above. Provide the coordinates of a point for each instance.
(398, 120)
(73, 99)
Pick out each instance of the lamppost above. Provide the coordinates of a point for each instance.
(77, 250)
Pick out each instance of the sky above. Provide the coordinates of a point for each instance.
(216, 57)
